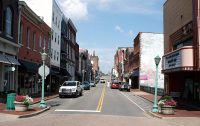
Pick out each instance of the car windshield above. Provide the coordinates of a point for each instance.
(69, 84)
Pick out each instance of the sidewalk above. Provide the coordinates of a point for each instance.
(32, 111)
(180, 111)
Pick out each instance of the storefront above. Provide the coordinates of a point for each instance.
(28, 78)
(8, 73)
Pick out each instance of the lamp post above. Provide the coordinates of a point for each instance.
(155, 106)
(42, 102)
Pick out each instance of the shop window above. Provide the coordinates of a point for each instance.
(8, 21)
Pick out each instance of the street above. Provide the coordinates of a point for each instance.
(98, 106)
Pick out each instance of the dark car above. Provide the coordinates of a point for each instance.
(85, 85)
(125, 87)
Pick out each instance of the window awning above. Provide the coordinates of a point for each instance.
(29, 66)
(3, 59)
(64, 72)
(12, 60)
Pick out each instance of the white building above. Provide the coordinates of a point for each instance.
(151, 45)
(51, 13)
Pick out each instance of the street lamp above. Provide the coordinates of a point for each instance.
(42, 102)
(155, 106)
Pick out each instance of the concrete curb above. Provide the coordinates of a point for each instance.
(154, 115)
(35, 113)
(47, 99)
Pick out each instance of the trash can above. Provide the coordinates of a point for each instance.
(10, 101)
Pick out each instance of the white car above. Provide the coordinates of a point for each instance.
(70, 88)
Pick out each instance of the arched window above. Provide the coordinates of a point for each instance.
(8, 21)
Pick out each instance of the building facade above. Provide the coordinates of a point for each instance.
(85, 66)
(9, 20)
(181, 62)
(34, 36)
(95, 66)
(144, 70)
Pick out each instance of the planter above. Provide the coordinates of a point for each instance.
(167, 110)
(19, 106)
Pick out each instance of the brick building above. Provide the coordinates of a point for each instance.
(181, 60)
(34, 36)
(95, 65)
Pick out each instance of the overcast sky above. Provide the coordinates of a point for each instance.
(105, 25)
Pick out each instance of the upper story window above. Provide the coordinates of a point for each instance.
(40, 43)
(1, 15)
(52, 35)
(44, 42)
(56, 20)
(28, 38)
(55, 36)
(51, 53)
(57, 56)
(54, 56)
(8, 21)
(58, 39)
(21, 33)
(34, 40)
(53, 17)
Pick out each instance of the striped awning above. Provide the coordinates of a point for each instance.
(3, 59)
(12, 60)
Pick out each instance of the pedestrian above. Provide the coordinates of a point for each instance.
(108, 84)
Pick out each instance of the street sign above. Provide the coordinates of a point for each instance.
(41, 71)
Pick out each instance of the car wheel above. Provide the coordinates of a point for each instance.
(128, 90)
(60, 96)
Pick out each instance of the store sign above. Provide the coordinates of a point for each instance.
(173, 60)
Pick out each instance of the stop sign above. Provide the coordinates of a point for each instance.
(43, 71)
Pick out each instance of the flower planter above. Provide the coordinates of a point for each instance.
(19, 106)
(167, 109)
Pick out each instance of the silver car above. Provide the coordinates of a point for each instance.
(70, 88)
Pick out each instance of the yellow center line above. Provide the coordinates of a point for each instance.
(100, 104)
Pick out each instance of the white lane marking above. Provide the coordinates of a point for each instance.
(64, 110)
(133, 102)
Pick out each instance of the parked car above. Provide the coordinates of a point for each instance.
(70, 88)
(115, 85)
(92, 84)
(86, 85)
(102, 80)
(125, 87)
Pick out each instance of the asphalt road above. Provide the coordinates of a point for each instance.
(99, 106)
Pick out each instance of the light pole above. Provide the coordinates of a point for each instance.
(42, 102)
(155, 106)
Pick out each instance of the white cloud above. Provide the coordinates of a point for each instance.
(118, 28)
(74, 9)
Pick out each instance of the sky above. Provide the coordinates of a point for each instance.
(104, 25)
